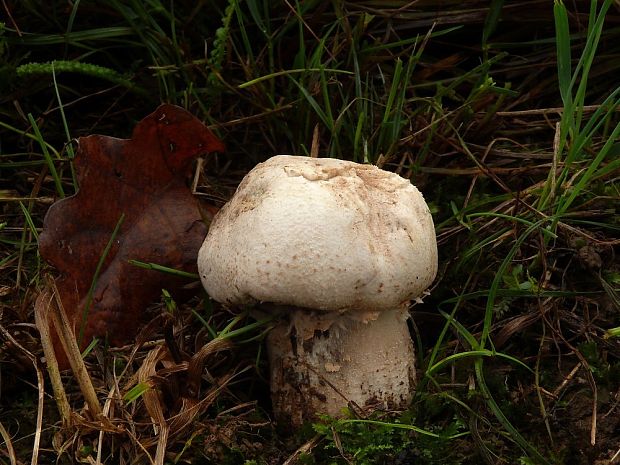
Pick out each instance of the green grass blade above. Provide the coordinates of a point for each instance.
(402, 426)
(47, 156)
(398, 69)
(582, 71)
(164, 269)
(490, 23)
(499, 414)
(313, 103)
(590, 172)
(29, 221)
(93, 284)
(66, 128)
(136, 392)
(74, 38)
(90, 347)
(475, 353)
(448, 323)
(229, 333)
(205, 323)
(562, 40)
(469, 337)
(497, 280)
(72, 16)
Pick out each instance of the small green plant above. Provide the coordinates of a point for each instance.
(370, 442)
(218, 52)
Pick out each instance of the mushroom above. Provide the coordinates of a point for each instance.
(337, 250)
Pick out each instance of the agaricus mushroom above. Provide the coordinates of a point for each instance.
(338, 250)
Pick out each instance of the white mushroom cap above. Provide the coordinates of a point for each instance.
(323, 234)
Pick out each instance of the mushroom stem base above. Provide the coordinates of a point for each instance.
(321, 364)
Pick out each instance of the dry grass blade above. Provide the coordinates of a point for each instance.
(42, 315)
(514, 326)
(69, 343)
(184, 378)
(153, 401)
(47, 307)
(196, 364)
(41, 394)
(9, 444)
(191, 406)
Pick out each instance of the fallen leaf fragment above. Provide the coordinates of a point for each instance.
(143, 181)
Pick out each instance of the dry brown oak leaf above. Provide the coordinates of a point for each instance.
(145, 179)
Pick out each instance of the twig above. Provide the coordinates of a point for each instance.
(314, 148)
(303, 449)
(567, 379)
(594, 414)
(8, 13)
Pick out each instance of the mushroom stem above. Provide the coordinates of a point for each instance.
(320, 363)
